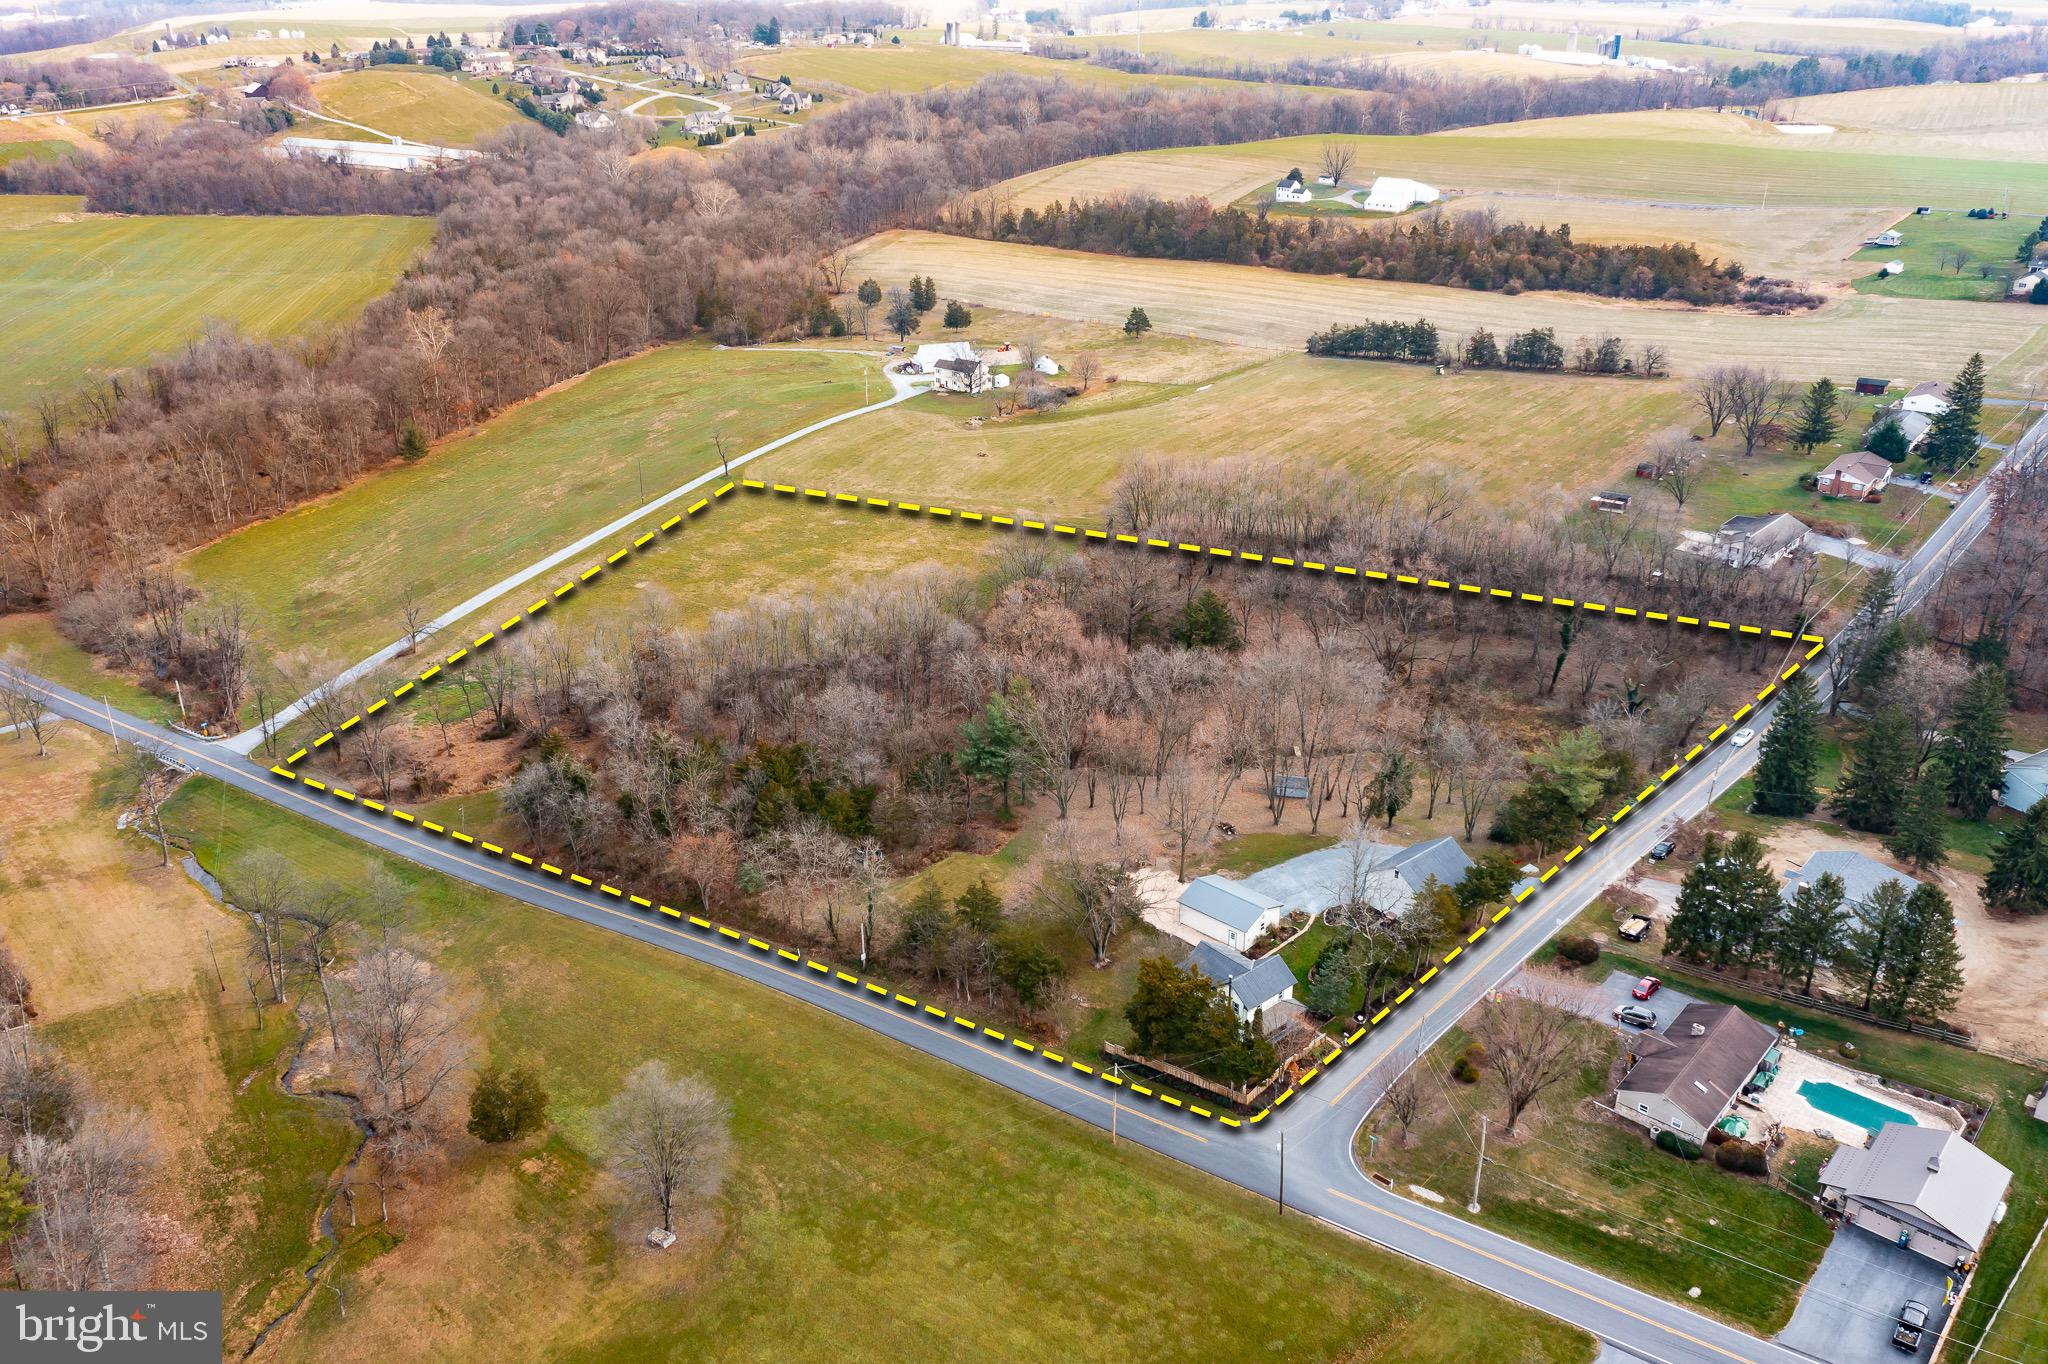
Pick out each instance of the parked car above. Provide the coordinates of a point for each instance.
(1647, 986)
(1636, 1016)
(1660, 851)
(1742, 736)
(1912, 1326)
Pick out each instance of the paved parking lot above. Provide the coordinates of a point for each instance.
(1846, 1314)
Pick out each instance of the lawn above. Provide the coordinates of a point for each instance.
(335, 574)
(1569, 433)
(1251, 305)
(2011, 1134)
(1247, 853)
(88, 294)
(1934, 269)
(47, 653)
(906, 1205)
(129, 993)
(414, 103)
(1768, 481)
(1600, 1195)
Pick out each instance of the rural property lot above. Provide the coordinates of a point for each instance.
(1998, 119)
(87, 293)
(413, 104)
(1249, 305)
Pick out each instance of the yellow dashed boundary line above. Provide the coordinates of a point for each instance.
(884, 995)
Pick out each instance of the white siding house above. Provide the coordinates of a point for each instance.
(1229, 912)
(1291, 191)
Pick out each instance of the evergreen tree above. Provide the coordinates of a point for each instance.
(1818, 420)
(1975, 744)
(958, 314)
(1329, 992)
(1810, 931)
(1481, 350)
(1888, 442)
(2018, 881)
(1789, 758)
(412, 443)
(1922, 835)
(1137, 324)
(869, 292)
(1697, 925)
(924, 927)
(506, 1104)
(903, 318)
(991, 745)
(1924, 971)
(1753, 904)
(1952, 439)
(1875, 787)
(980, 908)
(1872, 938)
(15, 1207)
(1206, 623)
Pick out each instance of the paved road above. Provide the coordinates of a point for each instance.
(1314, 1135)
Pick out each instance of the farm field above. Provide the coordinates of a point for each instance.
(1994, 118)
(243, 1165)
(417, 105)
(922, 66)
(50, 134)
(1570, 433)
(863, 1181)
(1687, 157)
(1834, 152)
(1248, 305)
(1934, 267)
(335, 573)
(88, 293)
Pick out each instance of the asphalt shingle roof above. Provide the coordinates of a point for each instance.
(1929, 1171)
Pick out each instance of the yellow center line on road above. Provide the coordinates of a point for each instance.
(1541, 1277)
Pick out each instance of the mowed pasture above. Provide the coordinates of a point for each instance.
(1249, 305)
(418, 105)
(1687, 157)
(334, 575)
(1998, 118)
(1379, 420)
(88, 293)
(909, 1207)
(916, 66)
(51, 133)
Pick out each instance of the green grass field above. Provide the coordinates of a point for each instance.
(88, 294)
(48, 654)
(417, 104)
(1602, 1196)
(1933, 267)
(915, 66)
(905, 1205)
(334, 574)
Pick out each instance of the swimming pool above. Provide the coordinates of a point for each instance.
(1851, 1105)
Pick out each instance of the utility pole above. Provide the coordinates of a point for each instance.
(1480, 1168)
(1280, 1196)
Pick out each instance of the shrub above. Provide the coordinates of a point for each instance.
(1466, 1068)
(1678, 1146)
(506, 1104)
(1743, 1157)
(1580, 951)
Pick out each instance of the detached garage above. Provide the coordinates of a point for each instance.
(1229, 912)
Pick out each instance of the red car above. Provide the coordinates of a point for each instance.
(1647, 986)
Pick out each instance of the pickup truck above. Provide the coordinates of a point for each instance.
(1912, 1326)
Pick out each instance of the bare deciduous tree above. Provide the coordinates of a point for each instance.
(1336, 158)
(1680, 462)
(86, 1189)
(668, 1136)
(1532, 1042)
(21, 704)
(402, 1035)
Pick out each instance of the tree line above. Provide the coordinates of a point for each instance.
(1535, 349)
(1458, 250)
(60, 83)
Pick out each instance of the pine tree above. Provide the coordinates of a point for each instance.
(1922, 835)
(1975, 744)
(1952, 438)
(1697, 925)
(1137, 324)
(869, 292)
(1810, 931)
(1752, 904)
(1875, 787)
(1818, 420)
(1329, 994)
(2019, 866)
(1872, 938)
(958, 314)
(1924, 972)
(1789, 758)
(1887, 442)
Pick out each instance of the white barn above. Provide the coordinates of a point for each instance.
(1396, 194)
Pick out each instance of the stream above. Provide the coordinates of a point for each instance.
(346, 1105)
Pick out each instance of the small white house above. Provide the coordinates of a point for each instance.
(1888, 238)
(737, 82)
(1291, 191)
(597, 120)
(2024, 285)
(1327, 181)
(1396, 194)
(1230, 912)
(961, 376)
(1252, 986)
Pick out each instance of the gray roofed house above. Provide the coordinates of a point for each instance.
(1233, 913)
(1759, 541)
(1684, 1080)
(1924, 1187)
(1860, 876)
(1316, 880)
(2026, 780)
(1253, 985)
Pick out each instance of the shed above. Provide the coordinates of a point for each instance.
(1229, 912)
(1872, 386)
(1610, 501)
(2026, 780)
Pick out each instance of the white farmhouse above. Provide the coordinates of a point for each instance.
(1291, 191)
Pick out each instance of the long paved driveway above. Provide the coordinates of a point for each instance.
(1313, 1135)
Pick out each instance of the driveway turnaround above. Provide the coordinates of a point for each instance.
(1846, 1314)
